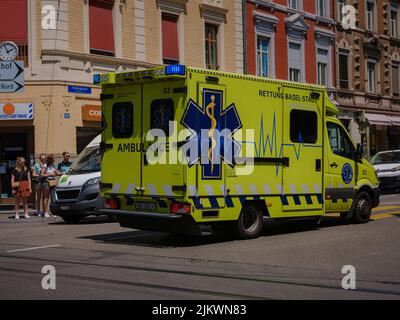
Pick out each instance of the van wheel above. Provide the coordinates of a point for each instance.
(362, 207)
(250, 223)
(71, 219)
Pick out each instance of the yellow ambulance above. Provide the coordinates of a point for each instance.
(184, 147)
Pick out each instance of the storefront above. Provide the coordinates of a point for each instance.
(91, 126)
(16, 140)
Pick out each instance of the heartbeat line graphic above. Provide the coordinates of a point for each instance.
(268, 142)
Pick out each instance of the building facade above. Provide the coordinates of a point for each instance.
(291, 40)
(367, 73)
(64, 42)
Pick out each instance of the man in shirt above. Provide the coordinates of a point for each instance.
(64, 165)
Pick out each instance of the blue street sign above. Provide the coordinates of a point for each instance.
(11, 76)
(67, 115)
(79, 89)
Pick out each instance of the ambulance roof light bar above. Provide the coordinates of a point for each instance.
(175, 69)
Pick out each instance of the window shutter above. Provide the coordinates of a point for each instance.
(101, 25)
(170, 41)
(13, 20)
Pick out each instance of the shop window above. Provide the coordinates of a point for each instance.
(161, 113)
(122, 120)
(170, 42)
(303, 126)
(101, 27)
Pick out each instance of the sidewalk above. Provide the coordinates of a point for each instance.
(6, 208)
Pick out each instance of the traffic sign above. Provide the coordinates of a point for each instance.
(11, 76)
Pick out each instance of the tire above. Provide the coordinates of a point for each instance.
(71, 219)
(343, 215)
(250, 223)
(362, 207)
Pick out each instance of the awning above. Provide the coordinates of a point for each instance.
(378, 119)
(394, 120)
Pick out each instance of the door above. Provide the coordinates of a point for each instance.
(302, 150)
(121, 140)
(340, 168)
(162, 172)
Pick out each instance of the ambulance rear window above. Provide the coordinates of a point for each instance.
(303, 126)
(122, 120)
(161, 113)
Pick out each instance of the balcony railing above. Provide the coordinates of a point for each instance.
(23, 51)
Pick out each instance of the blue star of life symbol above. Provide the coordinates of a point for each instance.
(219, 125)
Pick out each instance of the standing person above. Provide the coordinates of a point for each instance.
(50, 172)
(39, 182)
(21, 183)
(64, 165)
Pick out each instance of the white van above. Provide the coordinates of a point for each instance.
(77, 194)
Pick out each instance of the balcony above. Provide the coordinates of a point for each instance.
(23, 51)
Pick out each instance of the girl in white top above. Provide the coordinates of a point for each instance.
(50, 172)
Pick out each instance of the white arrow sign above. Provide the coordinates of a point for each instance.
(11, 76)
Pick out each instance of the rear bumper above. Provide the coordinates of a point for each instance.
(151, 221)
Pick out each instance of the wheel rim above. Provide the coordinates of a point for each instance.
(250, 219)
(364, 208)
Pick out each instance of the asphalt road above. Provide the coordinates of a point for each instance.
(97, 259)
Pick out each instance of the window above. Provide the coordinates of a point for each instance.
(294, 4)
(295, 62)
(101, 27)
(322, 74)
(341, 4)
(294, 75)
(322, 66)
(340, 142)
(303, 126)
(262, 57)
(393, 23)
(371, 77)
(161, 113)
(395, 79)
(170, 43)
(211, 32)
(321, 8)
(13, 25)
(370, 16)
(122, 120)
(343, 69)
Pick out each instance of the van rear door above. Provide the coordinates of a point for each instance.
(121, 139)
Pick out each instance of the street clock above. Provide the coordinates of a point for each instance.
(8, 51)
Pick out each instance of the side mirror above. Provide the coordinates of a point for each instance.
(359, 152)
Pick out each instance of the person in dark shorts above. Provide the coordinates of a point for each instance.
(21, 185)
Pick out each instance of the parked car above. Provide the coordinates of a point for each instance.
(77, 194)
(387, 167)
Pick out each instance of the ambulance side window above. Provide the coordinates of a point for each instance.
(161, 113)
(341, 144)
(303, 126)
(122, 120)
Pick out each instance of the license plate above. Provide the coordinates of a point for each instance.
(145, 206)
(64, 208)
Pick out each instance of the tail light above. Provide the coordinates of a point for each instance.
(111, 204)
(178, 207)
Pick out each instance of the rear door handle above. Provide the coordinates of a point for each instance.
(334, 165)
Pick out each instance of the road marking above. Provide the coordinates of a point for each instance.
(34, 248)
(384, 215)
(383, 208)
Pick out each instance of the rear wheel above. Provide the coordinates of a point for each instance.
(362, 207)
(71, 219)
(250, 223)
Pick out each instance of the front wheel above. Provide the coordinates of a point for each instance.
(250, 223)
(362, 208)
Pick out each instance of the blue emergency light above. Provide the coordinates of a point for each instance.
(96, 79)
(175, 69)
